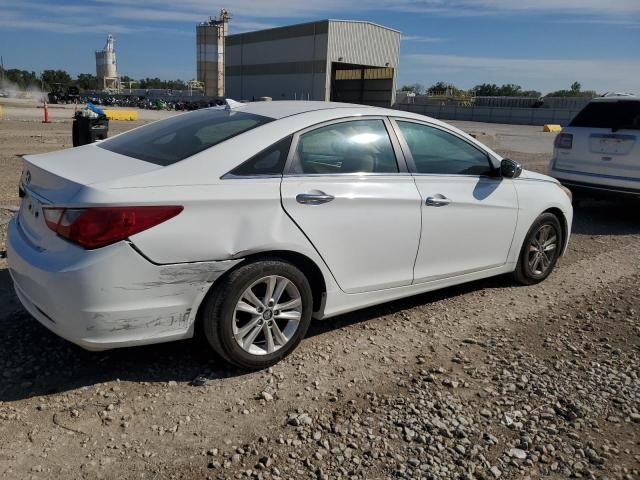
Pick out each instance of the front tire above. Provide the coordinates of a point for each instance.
(540, 250)
(258, 314)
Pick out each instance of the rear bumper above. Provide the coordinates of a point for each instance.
(108, 298)
(596, 183)
(593, 188)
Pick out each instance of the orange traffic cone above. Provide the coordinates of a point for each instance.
(46, 113)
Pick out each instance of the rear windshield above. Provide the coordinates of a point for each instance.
(176, 138)
(615, 115)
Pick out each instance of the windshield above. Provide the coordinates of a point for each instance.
(623, 114)
(176, 138)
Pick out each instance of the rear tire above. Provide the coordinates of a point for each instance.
(540, 250)
(258, 314)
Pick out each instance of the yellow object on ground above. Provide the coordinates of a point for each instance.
(552, 128)
(1, 113)
(121, 114)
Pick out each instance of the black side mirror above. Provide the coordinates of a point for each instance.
(510, 168)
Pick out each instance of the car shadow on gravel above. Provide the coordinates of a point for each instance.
(606, 217)
(34, 362)
(391, 308)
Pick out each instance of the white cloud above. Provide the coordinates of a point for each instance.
(421, 39)
(577, 8)
(611, 7)
(622, 22)
(11, 20)
(127, 12)
(154, 15)
(187, 10)
(541, 74)
(252, 8)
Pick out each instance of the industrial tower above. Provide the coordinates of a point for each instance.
(210, 38)
(106, 69)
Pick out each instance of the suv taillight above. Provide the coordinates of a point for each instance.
(563, 140)
(101, 226)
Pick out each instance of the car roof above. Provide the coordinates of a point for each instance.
(283, 109)
(286, 108)
(289, 117)
(617, 98)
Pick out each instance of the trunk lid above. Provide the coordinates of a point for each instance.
(56, 178)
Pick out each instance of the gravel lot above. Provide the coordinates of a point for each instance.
(482, 381)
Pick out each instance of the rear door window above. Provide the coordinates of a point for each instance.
(619, 115)
(358, 146)
(174, 139)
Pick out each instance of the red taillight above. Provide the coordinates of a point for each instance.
(563, 140)
(101, 226)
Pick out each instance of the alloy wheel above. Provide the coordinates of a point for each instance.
(542, 249)
(267, 315)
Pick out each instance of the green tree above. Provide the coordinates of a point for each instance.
(575, 90)
(531, 93)
(149, 83)
(486, 90)
(444, 88)
(176, 85)
(22, 78)
(127, 78)
(438, 88)
(510, 90)
(416, 88)
(87, 81)
(506, 90)
(51, 77)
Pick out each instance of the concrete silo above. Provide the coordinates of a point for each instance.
(210, 41)
(106, 69)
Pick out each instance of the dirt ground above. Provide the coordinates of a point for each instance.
(483, 381)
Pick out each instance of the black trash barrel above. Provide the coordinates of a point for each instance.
(87, 130)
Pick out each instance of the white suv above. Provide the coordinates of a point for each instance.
(600, 149)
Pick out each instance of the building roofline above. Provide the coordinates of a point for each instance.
(326, 20)
(364, 21)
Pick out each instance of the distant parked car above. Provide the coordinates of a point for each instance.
(242, 223)
(599, 152)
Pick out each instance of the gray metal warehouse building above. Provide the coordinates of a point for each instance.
(337, 60)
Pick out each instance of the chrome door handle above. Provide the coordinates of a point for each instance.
(313, 198)
(437, 201)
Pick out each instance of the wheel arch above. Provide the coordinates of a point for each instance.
(301, 261)
(559, 214)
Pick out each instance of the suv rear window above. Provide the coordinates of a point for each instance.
(176, 138)
(623, 114)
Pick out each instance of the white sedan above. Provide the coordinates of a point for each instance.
(241, 224)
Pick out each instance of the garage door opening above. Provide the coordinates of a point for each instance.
(361, 84)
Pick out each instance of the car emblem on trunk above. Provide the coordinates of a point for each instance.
(27, 177)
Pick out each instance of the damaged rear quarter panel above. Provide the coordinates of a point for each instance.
(161, 324)
(113, 296)
(223, 221)
(158, 300)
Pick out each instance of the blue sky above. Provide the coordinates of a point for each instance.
(539, 44)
